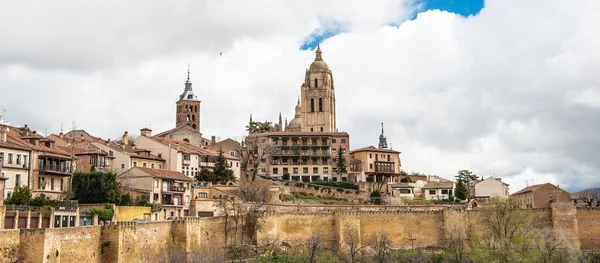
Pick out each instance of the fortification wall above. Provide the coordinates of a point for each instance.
(9, 245)
(589, 228)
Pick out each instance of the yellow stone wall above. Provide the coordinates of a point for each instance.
(128, 213)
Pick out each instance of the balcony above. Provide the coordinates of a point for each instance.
(53, 168)
(206, 164)
(186, 162)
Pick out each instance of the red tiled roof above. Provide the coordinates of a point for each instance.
(374, 149)
(531, 188)
(159, 173)
(57, 152)
(84, 148)
(189, 148)
(287, 133)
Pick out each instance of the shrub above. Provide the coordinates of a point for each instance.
(348, 192)
(286, 176)
(345, 185)
(42, 200)
(156, 207)
(125, 200)
(299, 185)
(104, 214)
(286, 184)
(341, 190)
(316, 187)
(144, 201)
(376, 197)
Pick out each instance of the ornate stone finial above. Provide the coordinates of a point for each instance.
(382, 128)
(382, 139)
(318, 52)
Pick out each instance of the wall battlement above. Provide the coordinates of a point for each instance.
(130, 241)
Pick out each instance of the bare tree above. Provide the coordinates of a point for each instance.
(454, 244)
(382, 244)
(313, 245)
(352, 240)
(588, 196)
(553, 247)
(253, 150)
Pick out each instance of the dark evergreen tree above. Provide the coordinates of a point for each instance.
(205, 175)
(96, 187)
(461, 191)
(341, 167)
(221, 172)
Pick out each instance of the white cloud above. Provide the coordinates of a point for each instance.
(514, 86)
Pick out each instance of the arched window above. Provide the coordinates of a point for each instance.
(186, 107)
(186, 140)
(316, 83)
(188, 118)
(196, 108)
(194, 126)
(193, 117)
(312, 105)
(311, 129)
(320, 104)
(321, 128)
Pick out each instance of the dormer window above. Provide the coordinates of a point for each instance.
(147, 153)
(190, 96)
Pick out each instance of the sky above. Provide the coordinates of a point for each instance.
(504, 88)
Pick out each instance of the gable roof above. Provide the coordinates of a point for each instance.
(165, 174)
(474, 182)
(534, 187)
(55, 151)
(226, 141)
(438, 185)
(188, 148)
(84, 148)
(374, 149)
(180, 127)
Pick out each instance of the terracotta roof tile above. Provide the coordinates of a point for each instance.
(531, 188)
(374, 149)
(438, 185)
(159, 173)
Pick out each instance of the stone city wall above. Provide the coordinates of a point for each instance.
(152, 241)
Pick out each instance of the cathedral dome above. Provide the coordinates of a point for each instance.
(295, 125)
(318, 63)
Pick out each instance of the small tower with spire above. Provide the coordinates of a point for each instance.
(382, 139)
(188, 107)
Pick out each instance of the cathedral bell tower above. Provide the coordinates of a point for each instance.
(188, 107)
(318, 97)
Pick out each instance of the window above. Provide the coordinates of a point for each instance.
(18, 159)
(156, 183)
(432, 192)
(152, 165)
(52, 184)
(110, 153)
(321, 128)
(25, 160)
(343, 140)
(444, 191)
(134, 164)
(312, 105)
(160, 166)
(305, 170)
(370, 166)
(155, 197)
(334, 151)
(316, 83)
(275, 170)
(92, 160)
(187, 199)
(237, 164)
(295, 170)
(333, 140)
(122, 166)
(370, 156)
(61, 185)
(311, 129)
(10, 158)
(405, 191)
(17, 180)
(285, 170)
(315, 170)
(201, 195)
(325, 170)
(144, 164)
(320, 104)
(388, 157)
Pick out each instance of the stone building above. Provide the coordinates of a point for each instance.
(170, 188)
(540, 196)
(438, 190)
(306, 147)
(187, 119)
(488, 188)
(14, 162)
(87, 155)
(126, 156)
(378, 164)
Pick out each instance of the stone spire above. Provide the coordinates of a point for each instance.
(280, 123)
(298, 108)
(382, 139)
(286, 124)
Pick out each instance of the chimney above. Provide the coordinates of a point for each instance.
(3, 133)
(213, 140)
(125, 139)
(146, 132)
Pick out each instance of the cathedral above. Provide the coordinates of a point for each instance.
(315, 109)
(308, 147)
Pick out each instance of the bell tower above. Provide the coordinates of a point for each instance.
(318, 97)
(188, 107)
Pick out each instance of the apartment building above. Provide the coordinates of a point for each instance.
(14, 163)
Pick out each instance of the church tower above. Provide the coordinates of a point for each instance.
(188, 107)
(318, 97)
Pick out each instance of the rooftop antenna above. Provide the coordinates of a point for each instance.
(73, 127)
(3, 116)
(61, 127)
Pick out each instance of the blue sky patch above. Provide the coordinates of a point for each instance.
(461, 7)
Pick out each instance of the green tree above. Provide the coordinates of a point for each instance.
(96, 187)
(222, 173)
(41, 200)
(376, 197)
(467, 177)
(205, 175)
(341, 167)
(460, 192)
(286, 176)
(406, 179)
(20, 196)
